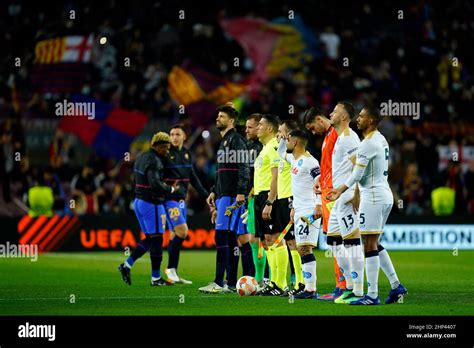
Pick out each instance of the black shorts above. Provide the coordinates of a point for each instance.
(262, 227)
(282, 209)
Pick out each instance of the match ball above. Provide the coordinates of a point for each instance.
(247, 286)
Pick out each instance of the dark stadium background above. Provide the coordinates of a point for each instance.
(406, 60)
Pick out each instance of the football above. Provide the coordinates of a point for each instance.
(247, 286)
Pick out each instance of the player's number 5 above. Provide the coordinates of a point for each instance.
(362, 218)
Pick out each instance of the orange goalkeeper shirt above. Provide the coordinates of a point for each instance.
(325, 180)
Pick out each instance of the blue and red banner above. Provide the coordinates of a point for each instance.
(110, 132)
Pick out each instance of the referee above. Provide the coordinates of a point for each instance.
(265, 190)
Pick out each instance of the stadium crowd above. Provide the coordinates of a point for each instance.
(392, 58)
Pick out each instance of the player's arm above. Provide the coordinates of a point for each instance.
(156, 184)
(365, 154)
(315, 171)
(196, 183)
(267, 211)
(210, 200)
(282, 151)
(243, 172)
(353, 146)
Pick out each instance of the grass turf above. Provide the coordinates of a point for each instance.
(439, 283)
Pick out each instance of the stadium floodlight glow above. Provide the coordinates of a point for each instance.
(205, 134)
(103, 40)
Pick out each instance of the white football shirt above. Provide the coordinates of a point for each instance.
(371, 170)
(304, 171)
(346, 146)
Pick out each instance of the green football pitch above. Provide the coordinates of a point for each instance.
(439, 283)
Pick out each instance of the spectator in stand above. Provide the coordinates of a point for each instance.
(453, 178)
(60, 202)
(469, 187)
(85, 191)
(331, 42)
(60, 154)
(412, 190)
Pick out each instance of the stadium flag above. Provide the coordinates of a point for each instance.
(273, 47)
(61, 64)
(200, 91)
(109, 132)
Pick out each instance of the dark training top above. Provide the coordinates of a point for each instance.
(179, 167)
(255, 147)
(233, 168)
(148, 173)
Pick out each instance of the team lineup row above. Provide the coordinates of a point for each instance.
(272, 208)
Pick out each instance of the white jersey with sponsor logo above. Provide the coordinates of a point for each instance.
(373, 154)
(304, 171)
(346, 146)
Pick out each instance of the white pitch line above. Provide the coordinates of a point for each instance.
(105, 298)
(85, 257)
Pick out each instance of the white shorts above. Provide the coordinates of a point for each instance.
(306, 234)
(372, 217)
(343, 221)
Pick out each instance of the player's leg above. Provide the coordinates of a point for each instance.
(222, 246)
(292, 283)
(306, 236)
(295, 256)
(156, 247)
(259, 258)
(238, 245)
(371, 217)
(334, 241)
(234, 253)
(233, 264)
(280, 218)
(262, 228)
(397, 289)
(339, 277)
(145, 213)
(278, 260)
(309, 273)
(259, 261)
(348, 225)
(176, 218)
(156, 256)
(248, 267)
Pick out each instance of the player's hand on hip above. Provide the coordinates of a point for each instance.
(355, 201)
(318, 211)
(317, 188)
(267, 212)
(211, 200)
(333, 195)
(292, 216)
(239, 199)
